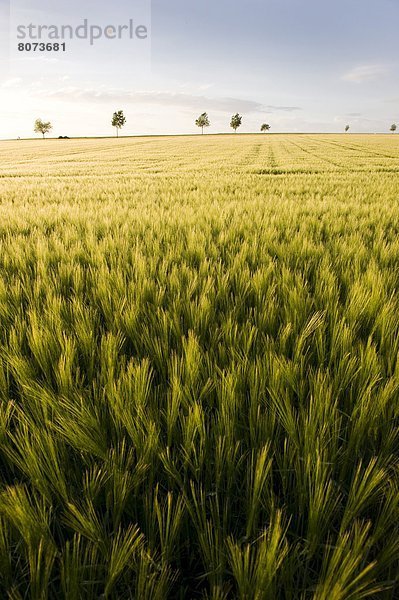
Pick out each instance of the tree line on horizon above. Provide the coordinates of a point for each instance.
(119, 120)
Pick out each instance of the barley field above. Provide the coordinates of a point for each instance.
(199, 368)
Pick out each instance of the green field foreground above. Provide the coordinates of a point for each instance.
(199, 368)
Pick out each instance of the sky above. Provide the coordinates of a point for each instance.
(299, 65)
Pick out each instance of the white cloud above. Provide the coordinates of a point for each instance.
(183, 100)
(272, 108)
(365, 73)
(101, 94)
(12, 83)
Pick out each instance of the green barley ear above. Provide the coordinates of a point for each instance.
(31, 518)
(255, 566)
(123, 475)
(124, 552)
(367, 487)
(153, 580)
(322, 498)
(85, 521)
(41, 561)
(209, 533)
(28, 513)
(81, 569)
(39, 455)
(348, 573)
(170, 515)
(258, 476)
(71, 568)
(80, 425)
(314, 324)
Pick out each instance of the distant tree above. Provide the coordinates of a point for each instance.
(347, 128)
(118, 121)
(394, 127)
(235, 122)
(42, 127)
(203, 121)
(265, 127)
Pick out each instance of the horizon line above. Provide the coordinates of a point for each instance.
(103, 137)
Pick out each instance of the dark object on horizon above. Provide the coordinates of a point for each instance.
(118, 121)
(235, 122)
(42, 127)
(203, 121)
(63, 137)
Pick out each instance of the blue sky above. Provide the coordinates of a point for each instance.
(300, 65)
